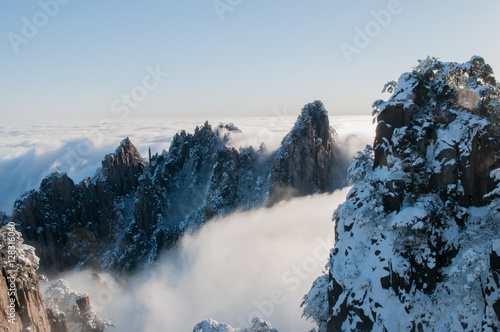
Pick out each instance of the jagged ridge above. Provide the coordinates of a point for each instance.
(132, 210)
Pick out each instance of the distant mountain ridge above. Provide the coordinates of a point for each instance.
(133, 209)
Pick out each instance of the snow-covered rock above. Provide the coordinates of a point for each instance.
(417, 238)
(210, 325)
(80, 315)
(21, 305)
(122, 169)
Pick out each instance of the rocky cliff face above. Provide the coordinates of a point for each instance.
(123, 168)
(22, 307)
(70, 224)
(304, 163)
(417, 239)
(21, 304)
(131, 210)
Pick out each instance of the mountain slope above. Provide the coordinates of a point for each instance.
(306, 159)
(417, 239)
(132, 210)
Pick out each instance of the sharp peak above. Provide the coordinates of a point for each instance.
(315, 106)
(205, 128)
(126, 142)
(313, 117)
(56, 173)
(313, 114)
(126, 146)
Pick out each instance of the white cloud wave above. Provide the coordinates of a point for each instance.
(257, 263)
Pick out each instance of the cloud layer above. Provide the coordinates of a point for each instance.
(30, 152)
(257, 263)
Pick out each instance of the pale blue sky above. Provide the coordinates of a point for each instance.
(263, 55)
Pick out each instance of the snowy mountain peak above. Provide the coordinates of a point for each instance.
(126, 153)
(442, 117)
(314, 109)
(313, 118)
(122, 168)
(415, 238)
(304, 163)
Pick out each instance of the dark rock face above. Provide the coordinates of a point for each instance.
(417, 119)
(123, 168)
(62, 219)
(44, 214)
(305, 160)
(131, 210)
(4, 218)
(67, 222)
(415, 235)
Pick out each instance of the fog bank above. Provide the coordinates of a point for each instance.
(257, 263)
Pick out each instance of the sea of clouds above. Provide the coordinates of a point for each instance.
(257, 263)
(29, 152)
